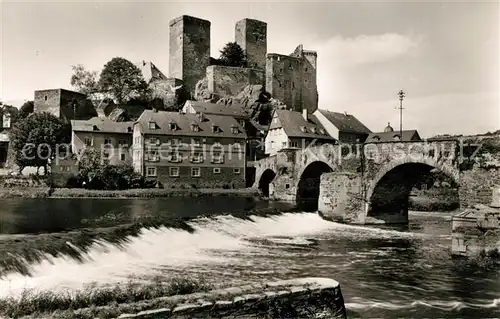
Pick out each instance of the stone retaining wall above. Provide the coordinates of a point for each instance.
(296, 298)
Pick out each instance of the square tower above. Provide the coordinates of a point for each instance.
(251, 35)
(189, 50)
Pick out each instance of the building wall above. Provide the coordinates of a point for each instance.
(251, 35)
(276, 139)
(59, 102)
(137, 149)
(189, 50)
(283, 79)
(230, 81)
(47, 101)
(114, 150)
(233, 150)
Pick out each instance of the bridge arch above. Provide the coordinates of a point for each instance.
(308, 186)
(388, 192)
(265, 180)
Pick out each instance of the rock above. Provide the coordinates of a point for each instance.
(202, 93)
(119, 115)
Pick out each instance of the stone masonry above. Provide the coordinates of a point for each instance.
(251, 35)
(189, 50)
(230, 81)
(370, 183)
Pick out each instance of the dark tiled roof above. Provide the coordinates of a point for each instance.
(345, 122)
(409, 135)
(295, 125)
(235, 110)
(102, 124)
(184, 121)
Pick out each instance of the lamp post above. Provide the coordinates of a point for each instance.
(401, 96)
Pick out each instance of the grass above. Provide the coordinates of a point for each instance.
(32, 302)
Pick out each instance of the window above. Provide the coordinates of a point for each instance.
(89, 141)
(313, 130)
(234, 129)
(6, 120)
(107, 140)
(293, 85)
(45, 97)
(122, 142)
(151, 171)
(236, 170)
(195, 172)
(122, 157)
(154, 141)
(105, 155)
(218, 158)
(216, 170)
(153, 156)
(287, 186)
(303, 129)
(195, 127)
(195, 142)
(197, 157)
(283, 144)
(152, 125)
(294, 144)
(305, 69)
(137, 140)
(175, 157)
(173, 126)
(281, 70)
(173, 171)
(216, 129)
(175, 142)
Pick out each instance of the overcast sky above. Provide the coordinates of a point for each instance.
(445, 55)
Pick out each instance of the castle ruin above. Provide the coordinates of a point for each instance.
(290, 79)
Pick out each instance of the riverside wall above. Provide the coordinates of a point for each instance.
(296, 298)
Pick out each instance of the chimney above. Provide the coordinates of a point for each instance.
(304, 114)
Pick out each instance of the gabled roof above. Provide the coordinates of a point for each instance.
(103, 125)
(235, 110)
(184, 123)
(150, 72)
(409, 135)
(294, 125)
(345, 122)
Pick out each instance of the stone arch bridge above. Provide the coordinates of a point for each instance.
(369, 183)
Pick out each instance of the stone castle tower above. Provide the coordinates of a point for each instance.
(189, 54)
(292, 79)
(288, 78)
(251, 35)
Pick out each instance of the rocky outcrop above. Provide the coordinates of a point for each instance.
(119, 115)
(202, 93)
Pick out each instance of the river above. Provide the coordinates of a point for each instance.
(384, 272)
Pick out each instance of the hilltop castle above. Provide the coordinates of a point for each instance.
(290, 79)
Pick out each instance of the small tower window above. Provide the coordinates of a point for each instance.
(45, 97)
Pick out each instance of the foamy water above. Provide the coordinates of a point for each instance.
(382, 271)
(157, 248)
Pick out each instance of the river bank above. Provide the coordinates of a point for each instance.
(47, 192)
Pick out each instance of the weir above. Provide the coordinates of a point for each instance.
(295, 298)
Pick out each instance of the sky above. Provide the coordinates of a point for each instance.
(444, 55)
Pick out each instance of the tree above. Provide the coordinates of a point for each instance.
(122, 80)
(26, 109)
(34, 140)
(84, 81)
(232, 55)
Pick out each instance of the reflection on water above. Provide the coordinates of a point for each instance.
(384, 272)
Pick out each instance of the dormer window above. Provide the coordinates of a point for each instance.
(376, 138)
(129, 129)
(397, 137)
(303, 129)
(234, 129)
(195, 127)
(173, 126)
(313, 130)
(216, 129)
(95, 128)
(152, 125)
(322, 131)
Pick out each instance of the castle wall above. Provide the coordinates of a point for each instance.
(189, 50)
(230, 81)
(251, 35)
(59, 102)
(284, 78)
(47, 101)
